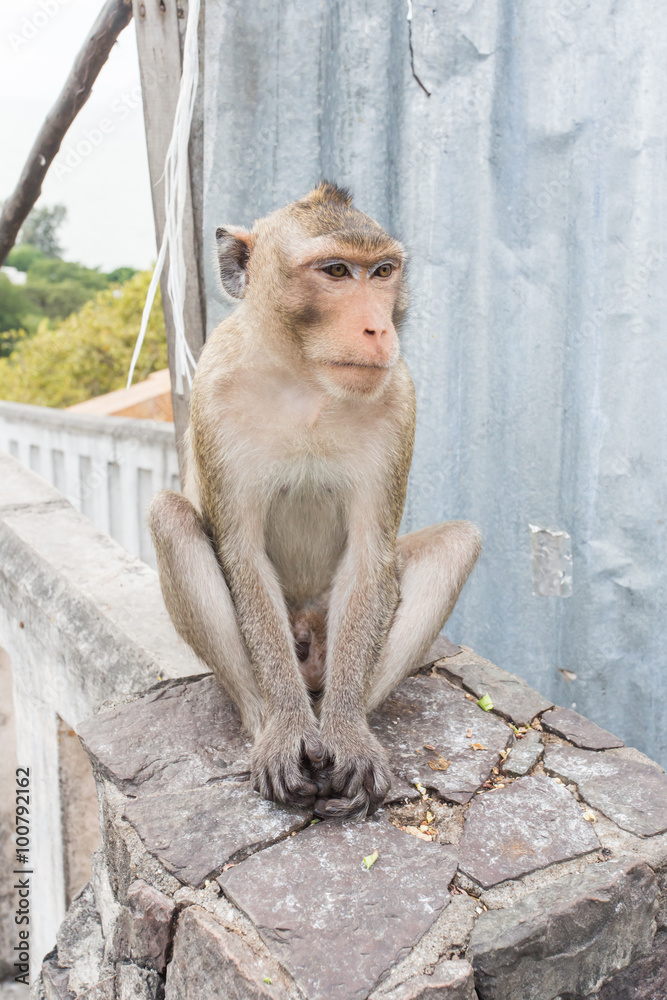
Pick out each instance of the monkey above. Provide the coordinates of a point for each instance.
(280, 563)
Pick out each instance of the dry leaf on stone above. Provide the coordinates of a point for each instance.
(440, 764)
(478, 746)
(417, 833)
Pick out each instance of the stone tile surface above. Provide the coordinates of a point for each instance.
(579, 730)
(530, 824)
(335, 926)
(566, 939)
(632, 794)
(645, 979)
(212, 963)
(440, 647)
(523, 755)
(428, 710)
(183, 735)
(511, 696)
(196, 831)
(450, 980)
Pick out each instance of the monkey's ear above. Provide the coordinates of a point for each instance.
(234, 248)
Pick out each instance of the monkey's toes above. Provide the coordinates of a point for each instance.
(286, 786)
(358, 807)
(314, 750)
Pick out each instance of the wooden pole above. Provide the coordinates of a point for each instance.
(114, 16)
(159, 24)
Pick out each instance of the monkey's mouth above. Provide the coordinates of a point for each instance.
(357, 364)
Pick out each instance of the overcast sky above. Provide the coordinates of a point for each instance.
(106, 190)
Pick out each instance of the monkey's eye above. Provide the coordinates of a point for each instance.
(336, 270)
(384, 270)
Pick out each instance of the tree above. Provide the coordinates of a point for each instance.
(41, 227)
(22, 256)
(53, 289)
(56, 288)
(87, 354)
(13, 308)
(120, 275)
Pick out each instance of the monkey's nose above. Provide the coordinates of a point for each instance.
(371, 333)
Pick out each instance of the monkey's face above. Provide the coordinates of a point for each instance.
(342, 303)
(327, 280)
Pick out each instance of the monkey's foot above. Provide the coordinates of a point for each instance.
(282, 760)
(355, 774)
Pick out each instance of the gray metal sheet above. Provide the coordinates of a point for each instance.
(530, 187)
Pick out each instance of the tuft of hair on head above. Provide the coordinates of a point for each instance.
(327, 193)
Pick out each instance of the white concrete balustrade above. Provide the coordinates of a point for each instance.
(107, 467)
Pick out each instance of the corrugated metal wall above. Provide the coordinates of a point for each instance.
(530, 186)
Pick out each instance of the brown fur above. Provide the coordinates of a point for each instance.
(281, 564)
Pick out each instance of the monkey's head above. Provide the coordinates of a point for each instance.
(326, 279)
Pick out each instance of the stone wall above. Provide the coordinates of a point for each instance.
(522, 852)
(521, 855)
(81, 621)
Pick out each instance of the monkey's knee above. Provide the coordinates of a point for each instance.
(467, 537)
(171, 520)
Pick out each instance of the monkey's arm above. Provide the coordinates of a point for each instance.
(361, 609)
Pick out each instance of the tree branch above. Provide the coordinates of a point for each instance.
(114, 16)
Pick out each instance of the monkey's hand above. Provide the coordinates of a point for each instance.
(282, 758)
(355, 770)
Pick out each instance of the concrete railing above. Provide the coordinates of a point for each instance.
(107, 467)
(81, 621)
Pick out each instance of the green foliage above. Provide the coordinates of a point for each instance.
(88, 353)
(23, 255)
(41, 227)
(53, 289)
(56, 288)
(120, 275)
(13, 308)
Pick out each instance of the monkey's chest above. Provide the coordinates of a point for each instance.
(305, 537)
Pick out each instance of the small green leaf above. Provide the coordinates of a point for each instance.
(370, 860)
(267, 980)
(485, 703)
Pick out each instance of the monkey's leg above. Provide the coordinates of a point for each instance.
(199, 602)
(433, 565)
